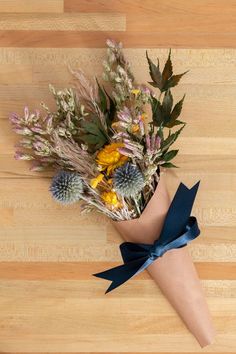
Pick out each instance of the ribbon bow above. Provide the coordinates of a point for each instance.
(179, 229)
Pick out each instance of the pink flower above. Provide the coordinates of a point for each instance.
(158, 142)
(22, 156)
(14, 118)
(148, 142)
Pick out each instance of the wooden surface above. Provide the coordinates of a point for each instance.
(49, 302)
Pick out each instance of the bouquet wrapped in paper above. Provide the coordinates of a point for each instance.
(109, 146)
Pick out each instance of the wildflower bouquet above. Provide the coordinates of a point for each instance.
(107, 151)
(108, 146)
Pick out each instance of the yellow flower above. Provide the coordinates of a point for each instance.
(136, 92)
(110, 158)
(135, 128)
(94, 181)
(115, 125)
(144, 116)
(111, 199)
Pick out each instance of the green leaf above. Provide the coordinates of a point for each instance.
(110, 114)
(157, 116)
(168, 165)
(154, 73)
(90, 138)
(176, 122)
(102, 98)
(167, 104)
(94, 134)
(175, 114)
(90, 127)
(98, 146)
(177, 109)
(160, 132)
(172, 81)
(167, 71)
(170, 139)
(170, 155)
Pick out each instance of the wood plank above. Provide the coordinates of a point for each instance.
(34, 316)
(55, 250)
(63, 22)
(84, 270)
(31, 6)
(19, 74)
(68, 302)
(135, 290)
(185, 19)
(86, 39)
(198, 7)
(211, 61)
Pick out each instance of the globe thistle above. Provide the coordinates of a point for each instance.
(128, 180)
(67, 187)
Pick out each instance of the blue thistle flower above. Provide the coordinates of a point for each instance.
(128, 180)
(66, 187)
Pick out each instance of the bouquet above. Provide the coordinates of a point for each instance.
(108, 146)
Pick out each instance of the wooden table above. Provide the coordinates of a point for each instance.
(49, 302)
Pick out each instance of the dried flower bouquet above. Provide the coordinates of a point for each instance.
(107, 150)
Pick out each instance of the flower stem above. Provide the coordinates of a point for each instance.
(137, 206)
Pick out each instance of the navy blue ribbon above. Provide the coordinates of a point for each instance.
(179, 229)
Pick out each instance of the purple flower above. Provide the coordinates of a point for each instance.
(158, 142)
(148, 142)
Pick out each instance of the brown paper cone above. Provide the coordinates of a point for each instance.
(174, 272)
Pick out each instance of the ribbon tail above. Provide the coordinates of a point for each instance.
(120, 274)
(179, 212)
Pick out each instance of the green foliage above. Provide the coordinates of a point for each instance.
(93, 134)
(155, 73)
(175, 114)
(167, 105)
(111, 111)
(167, 155)
(107, 105)
(102, 98)
(170, 155)
(169, 165)
(156, 112)
(163, 114)
(166, 143)
(166, 79)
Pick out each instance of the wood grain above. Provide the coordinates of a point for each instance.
(31, 6)
(84, 270)
(131, 39)
(63, 22)
(49, 300)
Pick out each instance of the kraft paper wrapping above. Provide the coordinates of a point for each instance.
(174, 272)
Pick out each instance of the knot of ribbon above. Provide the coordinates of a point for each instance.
(178, 230)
